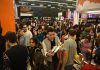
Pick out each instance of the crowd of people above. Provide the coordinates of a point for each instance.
(50, 45)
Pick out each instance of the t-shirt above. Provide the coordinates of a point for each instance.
(70, 46)
(27, 36)
(17, 57)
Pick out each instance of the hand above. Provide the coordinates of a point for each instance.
(50, 54)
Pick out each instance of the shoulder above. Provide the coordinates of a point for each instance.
(45, 40)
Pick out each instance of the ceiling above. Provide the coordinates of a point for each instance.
(58, 4)
(47, 7)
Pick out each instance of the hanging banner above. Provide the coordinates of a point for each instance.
(88, 5)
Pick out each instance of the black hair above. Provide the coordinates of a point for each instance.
(11, 36)
(38, 45)
(35, 40)
(39, 61)
(72, 32)
(39, 27)
(50, 29)
(24, 24)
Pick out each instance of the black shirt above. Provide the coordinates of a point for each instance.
(2, 50)
(55, 58)
(18, 57)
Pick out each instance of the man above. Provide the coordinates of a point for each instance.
(22, 38)
(16, 54)
(48, 44)
(2, 48)
(70, 46)
(27, 34)
(40, 35)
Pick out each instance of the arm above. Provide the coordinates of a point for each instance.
(65, 57)
(45, 52)
(64, 61)
(44, 48)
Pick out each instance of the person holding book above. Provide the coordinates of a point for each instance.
(50, 48)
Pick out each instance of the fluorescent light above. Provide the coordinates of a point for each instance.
(52, 7)
(49, 5)
(93, 12)
(32, 4)
(41, 5)
(60, 5)
(69, 0)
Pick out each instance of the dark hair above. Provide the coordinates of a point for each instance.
(39, 27)
(39, 61)
(11, 36)
(24, 24)
(35, 40)
(72, 32)
(50, 29)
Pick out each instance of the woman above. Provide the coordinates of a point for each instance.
(86, 48)
(33, 47)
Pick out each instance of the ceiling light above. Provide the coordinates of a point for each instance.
(69, 0)
(52, 7)
(49, 5)
(41, 5)
(32, 4)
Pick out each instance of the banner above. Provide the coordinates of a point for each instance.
(88, 5)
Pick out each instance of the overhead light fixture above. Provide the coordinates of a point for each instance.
(49, 5)
(60, 5)
(32, 4)
(69, 0)
(41, 5)
(52, 7)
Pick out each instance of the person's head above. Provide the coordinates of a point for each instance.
(97, 57)
(72, 32)
(51, 33)
(11, 38)
(25, 27)
(21, 32)
(38, 59)
(87, 29)
(87, 38)
(33, 42)
(39, 29)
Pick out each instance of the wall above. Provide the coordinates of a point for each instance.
(7, 16)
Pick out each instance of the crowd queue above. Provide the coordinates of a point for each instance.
(53, 45)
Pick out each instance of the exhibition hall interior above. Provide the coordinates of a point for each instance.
(49, 34)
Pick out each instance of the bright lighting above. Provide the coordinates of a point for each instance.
(94, 12)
